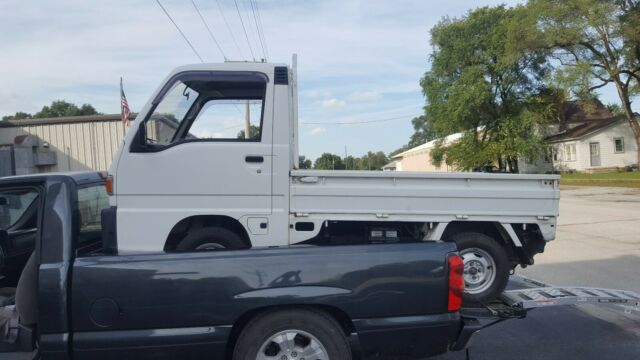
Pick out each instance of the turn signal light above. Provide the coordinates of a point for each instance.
(108, 184)
(456, 283)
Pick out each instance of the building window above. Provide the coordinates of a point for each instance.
(570, 152)
(619, 145)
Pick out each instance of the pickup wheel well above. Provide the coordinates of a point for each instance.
(193, 223)
(340, 316)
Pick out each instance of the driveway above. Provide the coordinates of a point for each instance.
(598, 245)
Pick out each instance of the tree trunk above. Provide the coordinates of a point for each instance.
(623, 92)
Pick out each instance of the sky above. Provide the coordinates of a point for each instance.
(358, 60)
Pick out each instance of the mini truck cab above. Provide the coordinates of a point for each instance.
(210, 163)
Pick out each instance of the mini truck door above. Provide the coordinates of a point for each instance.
(204, 148)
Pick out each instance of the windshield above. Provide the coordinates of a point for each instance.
(165, 120)
(13, 206)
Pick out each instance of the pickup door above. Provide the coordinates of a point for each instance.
(186, 304)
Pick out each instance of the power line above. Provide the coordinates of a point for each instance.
(255, 19)
(180, 31)
(229, 29)
(245, 30)
(358, 122)
(264, 38)
(209, 30)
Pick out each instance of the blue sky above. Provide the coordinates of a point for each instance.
(359, 60)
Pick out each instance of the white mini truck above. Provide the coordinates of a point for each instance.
(211, 161)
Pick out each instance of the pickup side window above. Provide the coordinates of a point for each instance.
(206, 106)
(92, 200)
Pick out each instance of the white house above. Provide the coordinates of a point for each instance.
(594, 146)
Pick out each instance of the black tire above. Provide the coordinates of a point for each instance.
(220, 238)
(315, 323)
(491, 288)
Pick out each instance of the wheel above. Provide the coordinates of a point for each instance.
(210, 238)
(486, 266)
(292, 335)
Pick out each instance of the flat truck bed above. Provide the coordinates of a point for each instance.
(426, 197)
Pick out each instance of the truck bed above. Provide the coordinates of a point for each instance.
(423, 196)
(395, 296)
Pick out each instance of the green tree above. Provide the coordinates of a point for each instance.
(328, 161)
(598, 44)
(18, 116)
(254, 133)
(482, 79)
(350, 163)
(423, 132)
(61, 108)
(372, 161)
(304, 163)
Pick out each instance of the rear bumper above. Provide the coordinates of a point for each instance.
(412, 337)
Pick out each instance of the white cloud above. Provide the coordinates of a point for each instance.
(317, 131)
(318, 94)
(365, 96)
(333, 103)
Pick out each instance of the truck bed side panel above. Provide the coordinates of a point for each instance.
(408, 194)
(126, 294)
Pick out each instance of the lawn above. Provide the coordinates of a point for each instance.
(616, 179)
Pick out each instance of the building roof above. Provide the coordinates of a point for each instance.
(583, 130)
(428, 145)
(573, 112)
(64, 120)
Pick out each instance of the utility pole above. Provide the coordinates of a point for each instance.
(247, 124)
(346, 166)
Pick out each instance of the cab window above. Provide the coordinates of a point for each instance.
(208, 107)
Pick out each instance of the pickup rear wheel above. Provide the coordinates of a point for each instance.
(486, 266)
(210, 238)
(292, 335)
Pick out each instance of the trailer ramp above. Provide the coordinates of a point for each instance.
(514, 304)
(532, 298)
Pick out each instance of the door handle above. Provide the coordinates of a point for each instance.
(254, 159)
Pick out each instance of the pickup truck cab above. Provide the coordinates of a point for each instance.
(211, 163)
(78, 297)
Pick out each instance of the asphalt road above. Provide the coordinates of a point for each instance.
(598, 245)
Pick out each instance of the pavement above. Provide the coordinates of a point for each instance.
(597, 245)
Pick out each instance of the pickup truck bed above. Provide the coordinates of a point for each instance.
(394, 297)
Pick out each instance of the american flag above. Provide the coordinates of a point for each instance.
(124, 106)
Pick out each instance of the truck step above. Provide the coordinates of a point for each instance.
(532, 298)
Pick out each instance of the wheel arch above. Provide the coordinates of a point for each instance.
(521, 245)
(344, 320)
(182, 228)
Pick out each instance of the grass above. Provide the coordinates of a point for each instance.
(613, 179)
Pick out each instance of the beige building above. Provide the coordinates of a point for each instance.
(59, 144)
(419, 158)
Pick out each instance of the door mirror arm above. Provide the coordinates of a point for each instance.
(139, 143)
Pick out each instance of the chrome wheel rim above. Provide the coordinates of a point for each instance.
(479, 270)
(292, 345)
(210, 246)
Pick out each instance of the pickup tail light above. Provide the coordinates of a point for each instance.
(108, 184)
(456, 283)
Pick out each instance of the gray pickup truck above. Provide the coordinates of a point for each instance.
(76, 297)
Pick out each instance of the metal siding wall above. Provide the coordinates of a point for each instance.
(78, 146)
